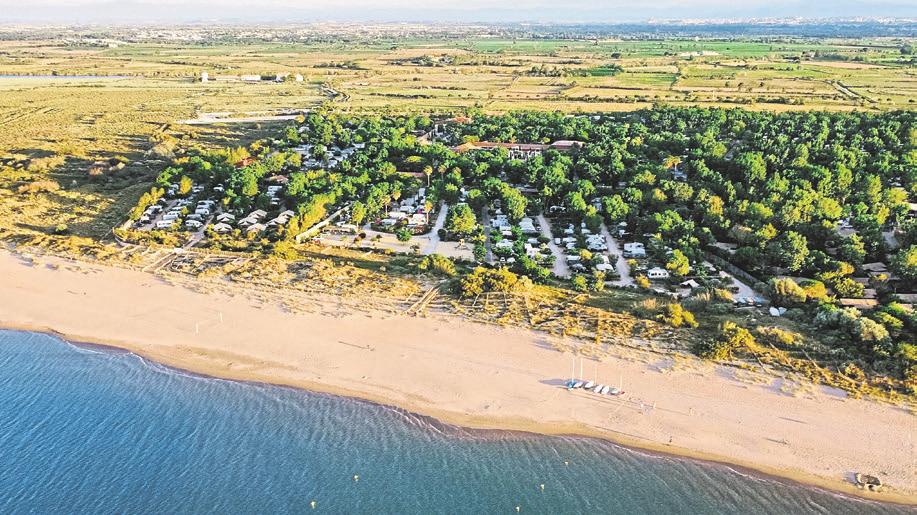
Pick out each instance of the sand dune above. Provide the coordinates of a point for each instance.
(473, 374)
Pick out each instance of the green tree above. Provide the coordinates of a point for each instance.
(907, 355)
(593, 223)
(357, 213)
(790, 250)
(185, 185)
(852, 251)
(404, 235)
(752, 166)
(476, 200)
(904, 263)
(813, 289)
(679, 265)
(514, 205)
(460, 220)
(615, 208)
(785, 292)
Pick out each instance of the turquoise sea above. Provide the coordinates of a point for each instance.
(89, 430)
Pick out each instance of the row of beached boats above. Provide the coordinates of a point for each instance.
(601, 389)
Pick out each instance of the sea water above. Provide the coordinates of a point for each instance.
(85, 430)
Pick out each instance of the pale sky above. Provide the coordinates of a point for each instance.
(466, 10)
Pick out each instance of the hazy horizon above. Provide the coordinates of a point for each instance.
(493, 11)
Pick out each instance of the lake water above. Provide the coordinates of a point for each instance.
(91, 431)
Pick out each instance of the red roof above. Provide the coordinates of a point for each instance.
(244, 162)
(557, 145)
(462, 119)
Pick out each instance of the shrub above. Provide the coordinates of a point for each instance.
(436, 264)
(723, 294)
(720, 308)
(284, 250)
(849, 289)
(484, 280)
(714, 349)
(579, 283)
(730, 339)
(676, 316)
(479, 252)
(642, 281)
(907, 354)
(779, 337)
(39, 186)
(646, 308)
(796, 314)
(597, 281)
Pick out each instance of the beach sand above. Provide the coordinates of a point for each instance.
(473, 374)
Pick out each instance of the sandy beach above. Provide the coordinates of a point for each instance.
(472, 374)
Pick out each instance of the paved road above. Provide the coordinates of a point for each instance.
(199, 234)
(744, 289)
(560, 264)
(434, 234)
(485, 217)
(890, 239)
(621, 265)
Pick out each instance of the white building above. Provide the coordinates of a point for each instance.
(222, 228)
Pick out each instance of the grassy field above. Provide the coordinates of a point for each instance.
(65, 129)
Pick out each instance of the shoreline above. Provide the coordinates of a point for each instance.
(738, 468)
(654, 451)
(232, 354)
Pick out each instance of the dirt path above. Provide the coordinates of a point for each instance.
(208, 118)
